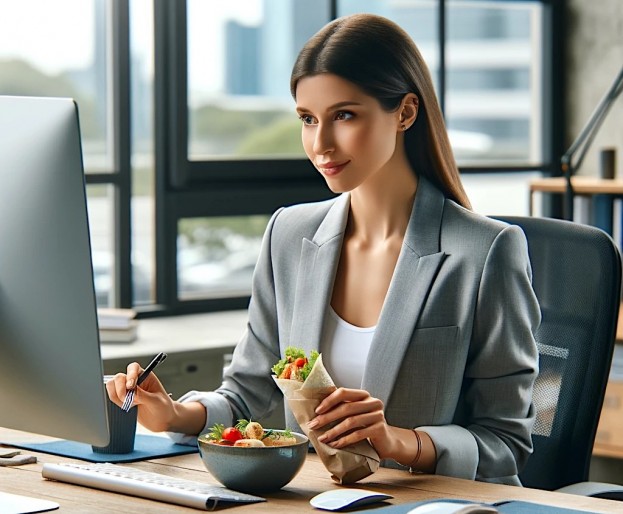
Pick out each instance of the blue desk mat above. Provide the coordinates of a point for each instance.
(145, 447)
(504, 507)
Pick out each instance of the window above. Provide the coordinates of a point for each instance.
(143, 165)
(493, 81)
(101, 214)
(44, 52)
(189, 131)
(492, 96)
(240, 55)
(485, 57)
(236, 151)
(216, 256)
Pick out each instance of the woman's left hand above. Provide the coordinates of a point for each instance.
(359, 416)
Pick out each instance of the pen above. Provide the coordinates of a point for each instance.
(150, 367)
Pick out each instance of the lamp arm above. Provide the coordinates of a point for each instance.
(585, 139)
(588, 133)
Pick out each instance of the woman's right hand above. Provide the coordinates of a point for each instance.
(156, 409)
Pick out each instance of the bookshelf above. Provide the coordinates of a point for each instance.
(596, 200)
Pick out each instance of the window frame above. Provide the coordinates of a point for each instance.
(212, 188)
(190, 188)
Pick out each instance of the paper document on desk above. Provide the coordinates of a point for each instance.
(18, 504)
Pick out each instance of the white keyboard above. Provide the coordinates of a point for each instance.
(135, 482)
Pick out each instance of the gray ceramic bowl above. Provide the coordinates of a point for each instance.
(254, 470)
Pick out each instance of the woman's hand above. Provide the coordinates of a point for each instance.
(359, 416)
(155, 406)
(156, 410)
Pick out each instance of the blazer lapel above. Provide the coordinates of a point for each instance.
(416, 269)
(316, 276)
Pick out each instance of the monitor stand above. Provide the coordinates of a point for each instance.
(17, 504)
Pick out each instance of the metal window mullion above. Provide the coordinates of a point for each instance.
(107, 178)
(170, 137)
(442, 56)
(121, 119)
(554, 84)
(177, 75)
(555, 34)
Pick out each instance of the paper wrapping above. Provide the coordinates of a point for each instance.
(346, 465)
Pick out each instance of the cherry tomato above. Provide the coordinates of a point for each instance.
(300, 362)
(231, 434)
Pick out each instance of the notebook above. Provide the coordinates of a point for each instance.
(504, 506)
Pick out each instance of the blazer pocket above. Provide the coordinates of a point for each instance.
(429, 381)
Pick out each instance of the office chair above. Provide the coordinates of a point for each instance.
(577, 279)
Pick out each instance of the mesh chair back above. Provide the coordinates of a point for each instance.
(577, 279)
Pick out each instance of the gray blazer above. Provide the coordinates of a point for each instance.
(453, 353)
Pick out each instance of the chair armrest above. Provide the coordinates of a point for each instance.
(595, 489)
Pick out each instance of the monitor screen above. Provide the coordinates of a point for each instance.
(50, 363)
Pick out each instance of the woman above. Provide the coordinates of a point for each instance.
(423, 310)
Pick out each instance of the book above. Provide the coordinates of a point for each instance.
(109, 318)
(120, 335)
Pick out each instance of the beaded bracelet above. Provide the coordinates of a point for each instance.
(418, 453)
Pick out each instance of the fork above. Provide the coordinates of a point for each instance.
(129, 395)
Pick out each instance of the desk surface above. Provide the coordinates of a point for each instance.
(313, 479)
(581, 185)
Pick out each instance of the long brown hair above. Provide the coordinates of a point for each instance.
(379, 57)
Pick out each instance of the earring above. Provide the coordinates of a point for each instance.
(403, 127)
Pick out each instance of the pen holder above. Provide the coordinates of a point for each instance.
(122, 429)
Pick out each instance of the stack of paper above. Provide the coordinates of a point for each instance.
(117, 325)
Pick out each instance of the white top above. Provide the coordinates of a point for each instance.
(344, 349)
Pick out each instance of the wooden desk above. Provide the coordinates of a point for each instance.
(294, 498)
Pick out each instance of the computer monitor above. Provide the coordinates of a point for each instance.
(50, 363)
